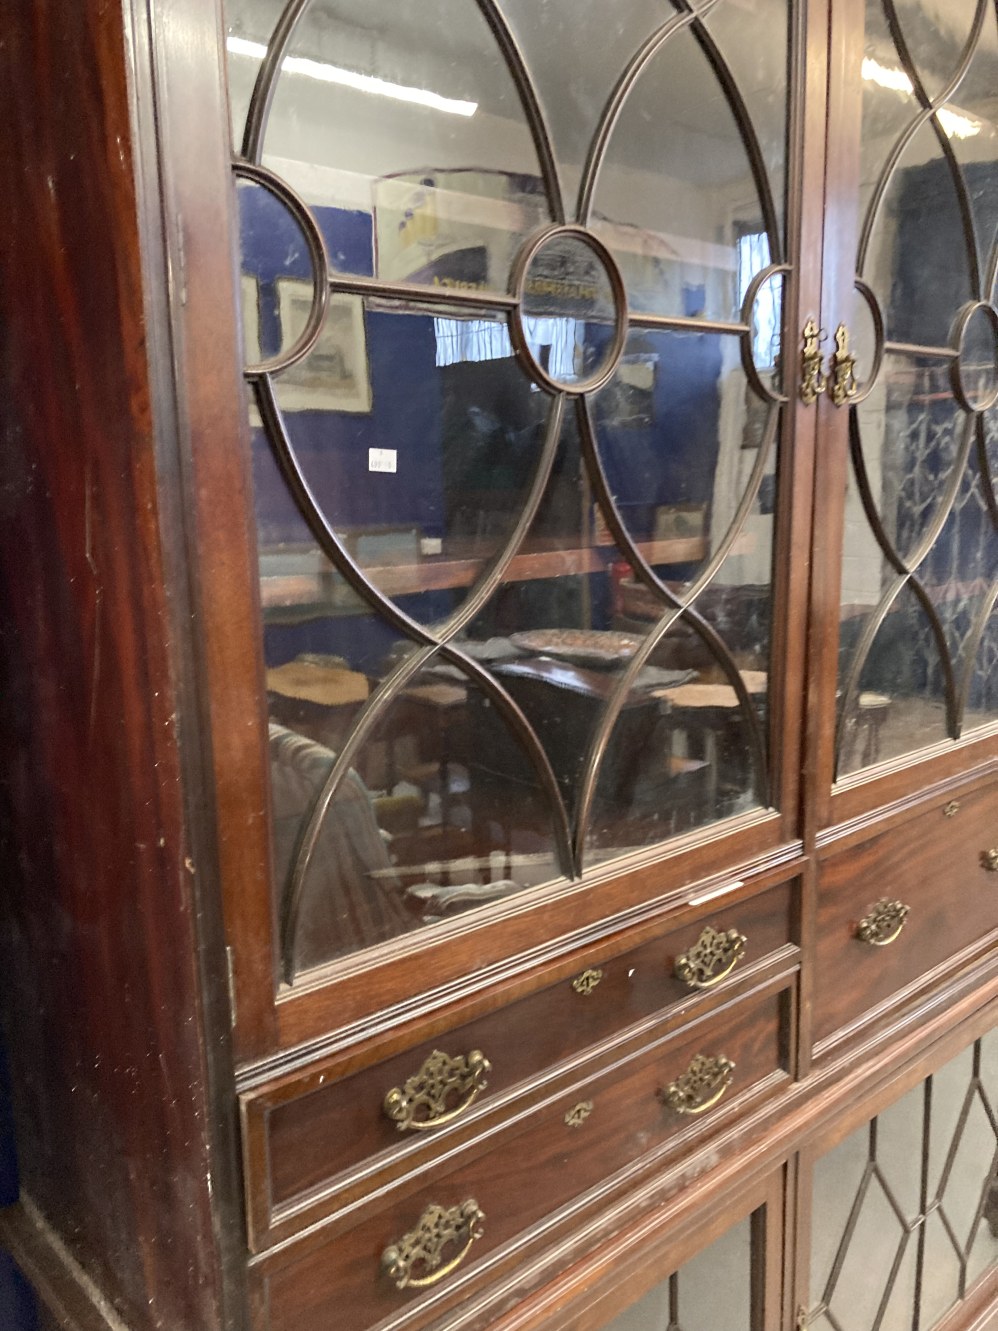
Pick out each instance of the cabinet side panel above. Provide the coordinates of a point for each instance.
(98, 927)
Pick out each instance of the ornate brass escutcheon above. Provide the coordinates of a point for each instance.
(883, 924)
(952, 809)
(585, 983)
(701, 1085)
(812, 381)
(417, 1259)
(578, 1114)
(443, 1088)
(989, 859)
(842, 366)
(711, 959)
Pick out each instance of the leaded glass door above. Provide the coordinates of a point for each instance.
(515, 283)
(914, 129)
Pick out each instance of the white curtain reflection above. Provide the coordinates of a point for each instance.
(484, 339)
(753, 257)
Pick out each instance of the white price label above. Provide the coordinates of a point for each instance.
(382, 459)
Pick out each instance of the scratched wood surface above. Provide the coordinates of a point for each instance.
(99, 957)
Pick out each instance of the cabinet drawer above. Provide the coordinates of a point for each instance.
(933, 866)
(654, 1100)
(325, 1131)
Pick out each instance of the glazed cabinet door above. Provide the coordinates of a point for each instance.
(904, 630)
(527, 466)
(908, 430)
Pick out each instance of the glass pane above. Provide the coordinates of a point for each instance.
(941, 1271)
(935, 36)
(677, 196)
(274, 261)
(435, 469)
(898, 702)
(402, 129)
(904, 1207)
(863, 1259)
(419, 436)
(440, 811)
(971, 118)
(568, 291)
(918, 505)
(712, 1290)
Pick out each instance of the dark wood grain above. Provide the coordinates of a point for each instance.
(931, 862)
(100, 988)
(321, 1128)
(530, 1172)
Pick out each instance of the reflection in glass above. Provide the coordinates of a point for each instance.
(275, 262)
(978, 359)
(445, 466)
(420, 436)
(440, 810)
(675, 224)
(920, 549)
(899, 702)
(569, 301)
(935, 36)
(921, 274)
(710, 1291)
(923, 482)
(400, 126)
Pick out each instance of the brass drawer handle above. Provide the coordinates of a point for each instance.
(585, 983)
(701, 1085)
(989, 859)
(426, 1101)
(883, 924)
(422, 1249)
(711, 959)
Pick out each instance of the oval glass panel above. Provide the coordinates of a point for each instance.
(277, 278)
(570, 303)
(977, 361)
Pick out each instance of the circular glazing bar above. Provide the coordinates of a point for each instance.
(877, 319)
(519, 276)
(308, 337)
(745, 341)
(958, 342)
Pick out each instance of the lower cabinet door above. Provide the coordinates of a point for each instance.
(904, 1210)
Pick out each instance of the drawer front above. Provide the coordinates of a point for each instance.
(671, 1092)
(321, 1131)
(933, 866)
